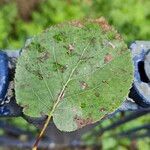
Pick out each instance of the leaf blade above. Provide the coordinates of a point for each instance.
(77, 66)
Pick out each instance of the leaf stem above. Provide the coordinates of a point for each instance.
(41, 133)
(50, 115)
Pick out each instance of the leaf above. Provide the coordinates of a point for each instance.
(75, 72)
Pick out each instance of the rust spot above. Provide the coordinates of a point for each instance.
(102, 109)
(103, 23)
(70, 48)
(82, 122)
(77, 24)
(100, 21)
(83, 85)
(44, 56)
(108, 58)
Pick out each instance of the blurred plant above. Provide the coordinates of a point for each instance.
(7, 19)
(130, 17)
(120, 137)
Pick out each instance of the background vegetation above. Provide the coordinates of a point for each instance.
(22, 19)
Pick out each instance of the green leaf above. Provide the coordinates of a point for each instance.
(76, 72)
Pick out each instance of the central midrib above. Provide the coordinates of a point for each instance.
(58, 99)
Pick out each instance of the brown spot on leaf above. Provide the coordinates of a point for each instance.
(70, 49)
(35, 72)
(97, 94)
(82, 122)
(108, 58)
(104, 81)
(103, 23)
(57, 66)
(44, 56)
(102, 109)
(77, 24)
(38, 74)
(83, 85)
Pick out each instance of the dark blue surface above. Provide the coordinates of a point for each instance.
(4, 73)
(4, 111)
(8, 108)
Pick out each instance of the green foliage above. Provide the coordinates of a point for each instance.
(68, 73)
(53, 12)
(6, 23)
(130, 17)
